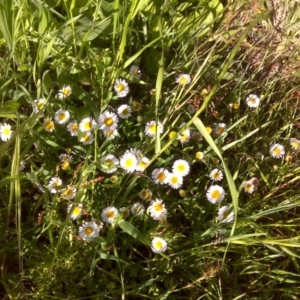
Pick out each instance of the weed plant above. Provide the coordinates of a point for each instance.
(149, 149)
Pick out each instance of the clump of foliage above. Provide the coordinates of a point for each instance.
(149, 149)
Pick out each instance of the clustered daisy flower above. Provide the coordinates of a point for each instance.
(157, 210)
(215, 194)
(152, 127)
(216, 175)
(108, 214)
(72, 127)
(295, 144)
(62, 116)
(38, 105)
(277, 151)
(109, 163)
(183, 79)
(54, 184)
(89, 230)
(5, 132)
(220, 128)
(121, 87)
(75, 210)
(252, 101)
(124, 111)
(159, 245)
(65, 92)
(87, 124)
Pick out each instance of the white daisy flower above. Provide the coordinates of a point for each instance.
(108, 121)
(199, 155)
(197, 136)
(137, 209)
(220, 128)
(277, 151)
(224, 215)
(175, 181)
(69, 193)
(110, 134)
(75, 209)
(215, 194)
(109, 163)
(121, 87)
(253, 101)
(151, 128)
(108, 214)
(295, 143)
(124, 111)
(5, 132)
(135, 71)
(62, 116)
(191, 108)
(158, 210)
(216, 175)
(89, 230)
(65, 92)
(145, 194)
(48, 125)
(53, 185)
(128, 162)
(160, 176)
(142, 164)
(72, 127)
(183, 79)
(185, 136)
(87, 124)
(249, 187)
(181, 167)
(38, 105)
(159, 245)
(87, 138)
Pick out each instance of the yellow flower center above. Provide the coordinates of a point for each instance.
(252, 100)
(295, 144)
(120, 87)
(62, 116)
(276, 151)
(88, 125)
(88, 230)
(216, 194)
(181, 168)
(142, 164)
(128, 162)
(182, 80)
(172, 134)
(174, 180)
(110, 214)
(158, 207)
(6, 131)
(158, 245)
(136, 106)
(209, 130)
(49, 126)
(161, 176)
(152, 128)
(40, 105)
(86, 138)
(199, 155)
(74, 127)
(146, 195)
(66, 92)
(108, 121)
(68, 192)
(76, 212)
(125, 111)
(221, 129)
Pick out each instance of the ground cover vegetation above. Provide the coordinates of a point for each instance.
(149, 149)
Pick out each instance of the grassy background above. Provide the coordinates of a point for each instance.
(230, 50)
